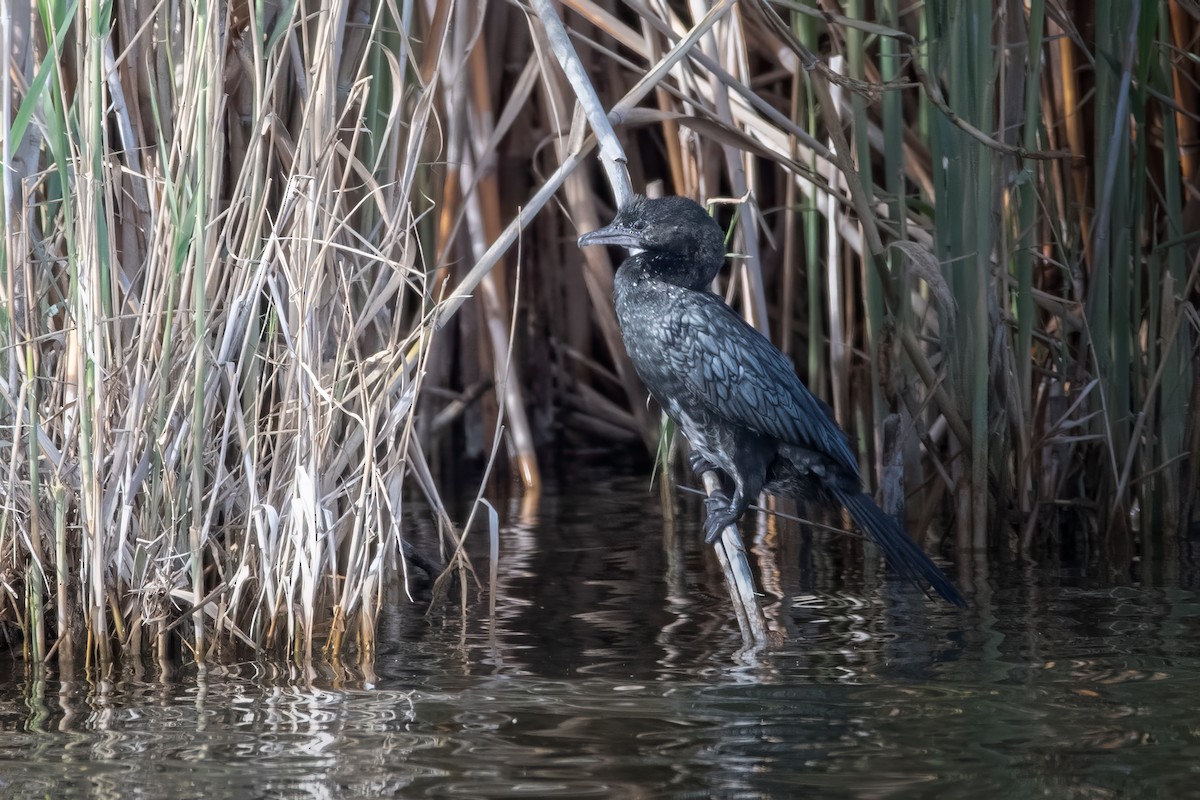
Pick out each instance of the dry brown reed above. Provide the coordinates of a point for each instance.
(260, 281)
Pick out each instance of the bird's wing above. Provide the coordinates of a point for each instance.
(739, 375)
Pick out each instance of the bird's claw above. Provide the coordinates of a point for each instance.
(719, 516)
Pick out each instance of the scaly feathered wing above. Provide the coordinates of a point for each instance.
(738, 375)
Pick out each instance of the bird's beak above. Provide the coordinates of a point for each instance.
(613, 234)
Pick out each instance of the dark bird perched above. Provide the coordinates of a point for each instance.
(734, 395)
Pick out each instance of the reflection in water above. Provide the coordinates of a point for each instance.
(609, 672)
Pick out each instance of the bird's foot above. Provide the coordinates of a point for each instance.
(720, 516)
(700, 464)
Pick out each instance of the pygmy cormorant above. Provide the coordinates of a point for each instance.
(735, 396)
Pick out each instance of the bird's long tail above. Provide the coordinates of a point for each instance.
(901, 552)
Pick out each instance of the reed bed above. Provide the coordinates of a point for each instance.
(274, 272)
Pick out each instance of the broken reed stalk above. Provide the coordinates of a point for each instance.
(729, 549)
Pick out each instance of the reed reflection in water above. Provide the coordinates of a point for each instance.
(610, 671)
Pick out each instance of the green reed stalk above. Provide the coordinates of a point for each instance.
(892, 451)
(36, 575)
(201, 91)
(978, 283)
(873, 301)
(89, 269)
(1108, 306)
(893, 134)
(62, 576)
(1027, 236)
(808, 32)
(1177, 377)
(963, 177)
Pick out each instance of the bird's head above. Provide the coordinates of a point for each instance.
(675, 237)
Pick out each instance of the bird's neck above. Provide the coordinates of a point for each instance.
(666, 269)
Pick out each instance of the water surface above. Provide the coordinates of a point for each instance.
(613, 668)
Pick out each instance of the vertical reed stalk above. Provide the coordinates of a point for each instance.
(1023, 257)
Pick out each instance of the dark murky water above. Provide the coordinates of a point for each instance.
(611, 670)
